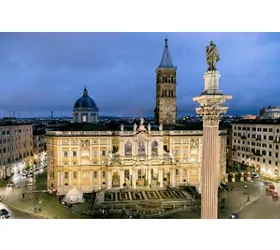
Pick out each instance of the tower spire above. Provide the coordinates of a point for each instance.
(166, 61)
(85, 93)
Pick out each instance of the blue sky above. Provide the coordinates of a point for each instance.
(40, 72)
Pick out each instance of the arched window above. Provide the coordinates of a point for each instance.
(154, 148)
(128, 148)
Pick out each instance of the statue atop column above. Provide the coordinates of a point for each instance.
(212, 56)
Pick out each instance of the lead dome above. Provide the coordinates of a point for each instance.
(85, 109)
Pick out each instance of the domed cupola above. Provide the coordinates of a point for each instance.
(85, 109)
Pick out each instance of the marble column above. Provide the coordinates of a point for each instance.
(210, 109)
(90, 178)
(109, 179)
(100, 178)
(146, 173)
(149, 177)
(70, 178)
(161, 178)
(172, 177)
(121, 178)
(58, 179)
(133, 178)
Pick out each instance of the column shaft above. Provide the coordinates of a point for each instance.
(133, 178)
(209, 196)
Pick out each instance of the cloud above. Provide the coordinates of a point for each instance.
(48, 71)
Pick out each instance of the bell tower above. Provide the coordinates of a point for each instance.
(166, 109)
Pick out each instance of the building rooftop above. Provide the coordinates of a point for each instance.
(114, 126)
(12, 123)
(254, 121)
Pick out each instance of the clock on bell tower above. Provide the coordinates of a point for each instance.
(166, 109)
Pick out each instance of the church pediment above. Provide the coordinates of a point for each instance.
(142, 134)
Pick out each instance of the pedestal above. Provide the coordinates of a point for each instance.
(210, 109)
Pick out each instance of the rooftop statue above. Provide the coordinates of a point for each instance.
(212, 56)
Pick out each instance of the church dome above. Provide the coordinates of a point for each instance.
(85, 102)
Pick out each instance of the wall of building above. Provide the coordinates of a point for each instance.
(257, 145)
(16, 147)
(95, 160)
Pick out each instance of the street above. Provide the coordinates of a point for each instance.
(263, 208)
(249, 203)
(15, 214)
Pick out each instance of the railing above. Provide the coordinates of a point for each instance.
(94, 133)
(78, 133)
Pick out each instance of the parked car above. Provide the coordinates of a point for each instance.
(4, 214)
(224, 186)
(24, 174)
(270, 187)
(255, 175)
(234, 216)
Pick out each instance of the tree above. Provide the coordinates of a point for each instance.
(262, 111)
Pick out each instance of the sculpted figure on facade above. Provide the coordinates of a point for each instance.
(121, 127)
(154, 148)
(194, 143)
(134, 127)
(85, 144)
(128, 148)
(160, 127)
(149, 127)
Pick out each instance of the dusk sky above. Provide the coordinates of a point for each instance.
(40, 72)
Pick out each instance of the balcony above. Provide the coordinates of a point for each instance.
(243, 137)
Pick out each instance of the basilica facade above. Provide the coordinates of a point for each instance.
(142, 156)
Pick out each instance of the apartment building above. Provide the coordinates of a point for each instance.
(16, 147)
(39, 144)
(256, 143)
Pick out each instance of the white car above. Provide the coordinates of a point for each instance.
(255, 175)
